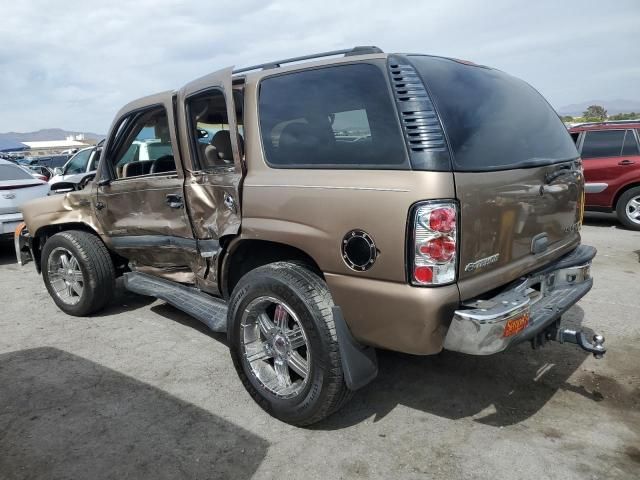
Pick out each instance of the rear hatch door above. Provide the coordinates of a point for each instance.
(517, 173)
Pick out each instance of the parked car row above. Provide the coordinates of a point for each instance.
(24, 180)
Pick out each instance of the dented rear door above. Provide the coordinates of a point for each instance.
(208, 110)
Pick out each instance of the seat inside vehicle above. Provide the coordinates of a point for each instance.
(219, 150)
(163, 164)
(135, 169)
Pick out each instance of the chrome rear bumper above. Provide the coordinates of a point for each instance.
(536, 301)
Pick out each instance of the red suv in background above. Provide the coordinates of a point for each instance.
(611, 159)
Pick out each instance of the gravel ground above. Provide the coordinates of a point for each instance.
(142, 391)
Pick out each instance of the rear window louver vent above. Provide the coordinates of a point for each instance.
(420, 123)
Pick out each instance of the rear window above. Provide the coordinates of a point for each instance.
(10, 172)
(334, 117)
(493, 121)
(602, 143)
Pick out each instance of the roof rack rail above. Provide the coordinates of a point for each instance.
(359, 50)
(607, 122)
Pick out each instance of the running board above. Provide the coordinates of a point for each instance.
(209, 310)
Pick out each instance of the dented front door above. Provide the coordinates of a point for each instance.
(141, 207)
(212, 165)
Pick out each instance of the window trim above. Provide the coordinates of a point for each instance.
(381, 65)
(121, 136)
(587, 132)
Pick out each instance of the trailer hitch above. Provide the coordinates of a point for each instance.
(565, 335)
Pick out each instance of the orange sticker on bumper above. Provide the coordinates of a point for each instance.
(516, 325)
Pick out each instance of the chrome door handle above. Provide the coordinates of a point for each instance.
(174, 200)
(229, 202)
(626, 162)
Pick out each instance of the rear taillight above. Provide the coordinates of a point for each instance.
(434, 244)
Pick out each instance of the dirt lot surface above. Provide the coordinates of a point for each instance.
(144, 392)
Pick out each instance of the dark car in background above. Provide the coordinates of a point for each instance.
(53, 161)
(611, 159)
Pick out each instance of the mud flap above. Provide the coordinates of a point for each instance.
(359, 362)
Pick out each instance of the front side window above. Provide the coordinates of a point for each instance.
(146, 147)
(602, 143)
(78, 163)
(211, 131)
(334, 117)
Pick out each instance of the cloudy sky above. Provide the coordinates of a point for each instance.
(73, 64)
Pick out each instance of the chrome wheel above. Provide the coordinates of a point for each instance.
(632, 209)
(275, 346)
(65, 275)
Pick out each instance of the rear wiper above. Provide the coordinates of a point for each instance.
(563, 170)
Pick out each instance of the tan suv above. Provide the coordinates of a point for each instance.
(317, 207)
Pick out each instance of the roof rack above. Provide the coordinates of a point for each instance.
(359, 50)
(607, 122)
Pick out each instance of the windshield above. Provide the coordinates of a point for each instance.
(78, 163)
(10, 172)
(493, 121)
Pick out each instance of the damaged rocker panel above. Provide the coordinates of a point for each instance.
(206, 248)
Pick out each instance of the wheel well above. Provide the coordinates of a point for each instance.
(39, 238)
(251, 254)
(621, 192)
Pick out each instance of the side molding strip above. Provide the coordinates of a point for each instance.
(143, 241)
(206, 248)
(595, 187)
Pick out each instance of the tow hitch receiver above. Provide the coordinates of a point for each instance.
(565, 335)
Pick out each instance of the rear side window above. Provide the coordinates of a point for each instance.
(334, 117)
(10, 172)
(602, 143)
(630, 145)
(493, 121)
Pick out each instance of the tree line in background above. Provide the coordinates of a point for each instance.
(597, 113)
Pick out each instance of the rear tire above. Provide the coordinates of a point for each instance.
(281, 326)
(78, 272)
(628, 208)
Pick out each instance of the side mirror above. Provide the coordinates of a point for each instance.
(57, 171)
(202, 133)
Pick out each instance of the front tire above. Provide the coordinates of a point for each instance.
(78, 272)
(284, 345)
(628, 208)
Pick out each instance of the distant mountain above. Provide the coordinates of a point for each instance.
(612, 107)
(47, 134)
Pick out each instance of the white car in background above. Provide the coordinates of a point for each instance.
(83, 163)
(17, 186)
